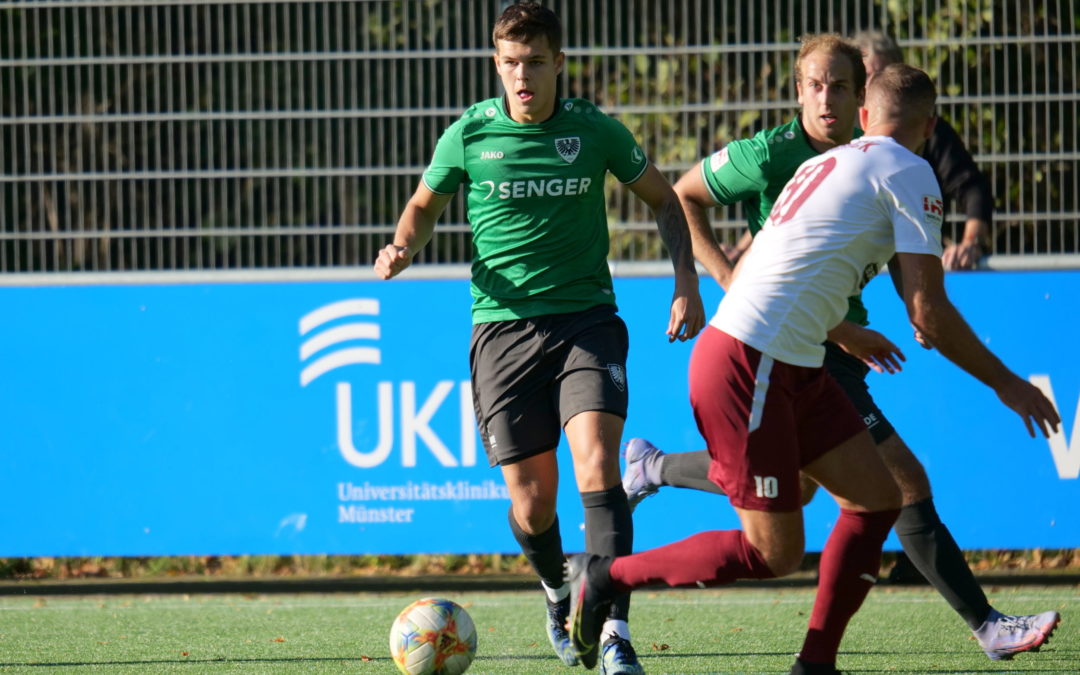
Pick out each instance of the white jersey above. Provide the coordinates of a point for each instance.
(838, 221)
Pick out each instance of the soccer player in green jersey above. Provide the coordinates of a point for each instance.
(830, 79)
(548, 350)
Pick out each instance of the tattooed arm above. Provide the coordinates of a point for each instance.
(687, 313)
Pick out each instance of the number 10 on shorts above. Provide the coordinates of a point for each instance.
(767, 486)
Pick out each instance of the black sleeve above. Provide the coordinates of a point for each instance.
(961, 181)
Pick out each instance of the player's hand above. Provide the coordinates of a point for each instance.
(869, 346)
(687, 313)
(962, 256)
(391, 260)
(1028, 401)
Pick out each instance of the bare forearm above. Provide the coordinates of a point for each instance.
(976, 231)
(951, 335)
(705, 247)
(414, 228)
(671, 222)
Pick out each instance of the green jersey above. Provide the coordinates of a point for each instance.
(536, 204)
(755, 171)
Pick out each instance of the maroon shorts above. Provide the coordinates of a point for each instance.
(764, 420)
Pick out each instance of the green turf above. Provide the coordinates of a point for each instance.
(899, 630)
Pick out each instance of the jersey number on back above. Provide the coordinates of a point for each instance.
(798, 189)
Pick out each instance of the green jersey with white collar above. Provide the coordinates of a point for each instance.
(755, 170)
(536, 204)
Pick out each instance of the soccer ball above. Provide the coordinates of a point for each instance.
(433, 636)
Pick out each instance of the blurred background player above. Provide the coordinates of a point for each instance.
(767, 407)
(829, 81)
(548, 351)
(961, 181)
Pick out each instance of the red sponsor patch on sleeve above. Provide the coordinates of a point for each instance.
(933, 209)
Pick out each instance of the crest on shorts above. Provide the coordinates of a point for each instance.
(618, 375)
(568, 148)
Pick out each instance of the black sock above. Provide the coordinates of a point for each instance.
(933, 551)
(544, 551)
(688, 470)
(609, 530)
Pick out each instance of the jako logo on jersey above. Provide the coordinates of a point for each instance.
(521, 189)
(932, 209)
(491, 154)
(635, 156)
(568, 148)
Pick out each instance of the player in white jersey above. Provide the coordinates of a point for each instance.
(767, 408)
(755, 171)
(840, 219)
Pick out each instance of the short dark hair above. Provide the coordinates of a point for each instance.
(905, 92)
(833, 44)
(525, 21)
(875, 42)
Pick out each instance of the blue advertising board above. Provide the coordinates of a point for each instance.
(336, 417)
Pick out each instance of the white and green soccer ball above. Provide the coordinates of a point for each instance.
(433, 636)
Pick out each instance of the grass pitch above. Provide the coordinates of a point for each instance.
(899, 630)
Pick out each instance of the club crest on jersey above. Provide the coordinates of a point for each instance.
(618, 375)
(568, 148)
(933, 210)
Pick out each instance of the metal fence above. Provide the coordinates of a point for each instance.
(206, 135)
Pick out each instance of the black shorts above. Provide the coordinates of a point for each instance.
(850, 372)
(530, 376)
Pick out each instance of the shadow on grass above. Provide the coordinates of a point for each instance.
(194, 662)
(223, 660)
(1051, 660)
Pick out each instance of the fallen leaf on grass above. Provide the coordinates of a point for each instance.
(278, 639)
(663, 646)
(184, 653)
(364, 657)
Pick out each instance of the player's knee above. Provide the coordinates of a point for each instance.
(785, 561)
(808, 487)
(535, 515)
(783, 557)
(598, 472)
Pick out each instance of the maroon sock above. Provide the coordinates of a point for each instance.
(705, 559)
(848, 569)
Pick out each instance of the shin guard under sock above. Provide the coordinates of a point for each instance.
(544, 551)
(848, 570)
(609, 530)
(934, 552)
